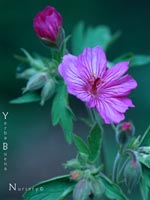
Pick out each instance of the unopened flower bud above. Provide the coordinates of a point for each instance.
(132, 172)
(97, 188)
(47, 90)
(76, 175)
(82, 190)
(27, 73)
(36, 82)
(48, 27)
(125, 131)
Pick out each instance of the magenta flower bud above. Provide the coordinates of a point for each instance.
(48, 26)
(125, 131)
(126, 126)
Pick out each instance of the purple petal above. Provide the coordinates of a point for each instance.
(68, 71)
(116, 71)
(119, 104)
(121, 87)
(108, 113)
(92, 62)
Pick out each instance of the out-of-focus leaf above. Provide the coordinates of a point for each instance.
(94, 142)
(145, 141)
(91, 37)
(145, 183)
(61, 112)
(144, 159)
(26, 98)
(58, 188)
(124, 57)
(139, 60)
(112, 191)
(135, 60)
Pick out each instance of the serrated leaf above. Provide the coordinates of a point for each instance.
(91, 37)
(145, 183)
(80, 144)
(58, 188)
(26, 98)
(94, 142)
(60, 112)
(145, 141)
(112, 191)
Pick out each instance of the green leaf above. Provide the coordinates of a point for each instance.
(145, 183)
(145, 141)
(124, 57)
(91, 37)
(94, 142)
(144, 159)
(135, 60)
(80, 144)
(139, 60)
(112, 191)
(58, 188)
(26, 98)
(61, 112)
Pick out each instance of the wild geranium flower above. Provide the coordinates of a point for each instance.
(47, 24)
(88, 78)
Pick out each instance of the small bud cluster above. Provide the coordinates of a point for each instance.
(40, 76)
(87, 177)
(88, 189)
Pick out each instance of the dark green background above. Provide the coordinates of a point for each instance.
(36, 149)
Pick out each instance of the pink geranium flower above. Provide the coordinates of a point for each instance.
(88, 78)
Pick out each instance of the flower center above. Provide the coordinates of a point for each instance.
(94, 85)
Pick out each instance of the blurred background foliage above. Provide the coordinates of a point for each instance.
(36, 149)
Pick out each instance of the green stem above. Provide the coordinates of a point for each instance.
(113, 127)
(115, 167)
(91, 114)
